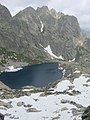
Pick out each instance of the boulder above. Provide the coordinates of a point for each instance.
(86, 114)
(1, 116)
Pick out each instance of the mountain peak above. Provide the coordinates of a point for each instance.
(44, 8)
(27, 11)
(5, 15)
(55, 14)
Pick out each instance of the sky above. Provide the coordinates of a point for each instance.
(78, 8)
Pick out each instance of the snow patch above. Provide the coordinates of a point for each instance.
(72, 60)
(77, 71)
(41, 45)
(48, 49)
(12, 69)
(42, 26)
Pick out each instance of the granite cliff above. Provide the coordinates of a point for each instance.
(30, 31)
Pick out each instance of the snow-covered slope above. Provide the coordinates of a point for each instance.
(65, 102)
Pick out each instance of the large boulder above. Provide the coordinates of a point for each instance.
(86, 114)
(1, 116)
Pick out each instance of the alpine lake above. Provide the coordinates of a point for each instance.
(38, 75)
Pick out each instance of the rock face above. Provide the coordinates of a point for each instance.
(86, 114)
(5, 15)
(1, 116)
(30, 31)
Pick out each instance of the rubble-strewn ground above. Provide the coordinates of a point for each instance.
(66, 101)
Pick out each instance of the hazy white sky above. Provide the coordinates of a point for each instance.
(78, 8)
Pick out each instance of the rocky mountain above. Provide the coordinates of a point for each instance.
(61, 32)
(41, 34)
(5, 15)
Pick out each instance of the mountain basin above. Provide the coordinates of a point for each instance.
(38, 75)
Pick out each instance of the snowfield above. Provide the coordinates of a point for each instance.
(56, 106)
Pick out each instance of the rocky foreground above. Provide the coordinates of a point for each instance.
(66, 101)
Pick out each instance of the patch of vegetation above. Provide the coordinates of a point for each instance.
(6, 55)
(80, 51)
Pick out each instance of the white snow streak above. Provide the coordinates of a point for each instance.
(42, 26)
(72, 60)
(77, 71)
(48, 49)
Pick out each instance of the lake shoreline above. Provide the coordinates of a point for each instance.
(44, 73)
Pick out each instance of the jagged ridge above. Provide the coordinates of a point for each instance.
(30, 31)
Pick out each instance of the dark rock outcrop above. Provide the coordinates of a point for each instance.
(1, 116)
(86, 114)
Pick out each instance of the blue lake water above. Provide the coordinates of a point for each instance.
(39, 75)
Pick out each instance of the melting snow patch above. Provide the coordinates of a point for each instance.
(72, 60)
(77, 71)
(42, 26)
(48, 49)
(12, 69)
(41, 45)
